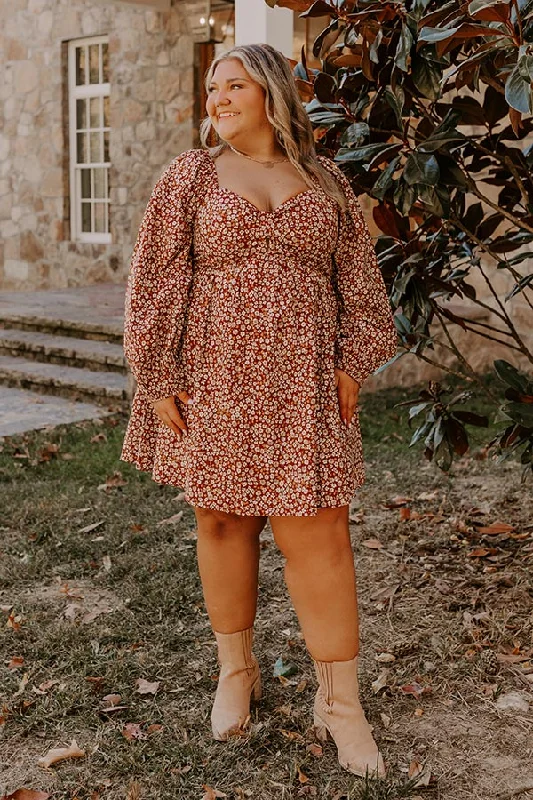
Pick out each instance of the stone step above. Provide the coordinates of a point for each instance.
(27, 320)
(105, 388)
(88, 354)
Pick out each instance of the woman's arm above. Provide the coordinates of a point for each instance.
(366, 335)
(159, 279)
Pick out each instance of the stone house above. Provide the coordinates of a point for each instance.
(97, 98)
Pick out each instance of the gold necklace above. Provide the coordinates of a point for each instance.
(267, 164)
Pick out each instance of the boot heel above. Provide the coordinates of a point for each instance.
(256, 689)
(321, 732)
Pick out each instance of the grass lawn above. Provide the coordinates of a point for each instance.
(104, 638)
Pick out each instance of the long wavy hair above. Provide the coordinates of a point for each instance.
(284, 110)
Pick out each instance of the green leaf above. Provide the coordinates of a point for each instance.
(431, 35)
(441, 140)
(355, 134)
(518, 92)
(282, 668)
(385, 180)
(511, 376)
(421, 168)
(427, 77)
(468, 417)
(366, 153)
(521, 413)
(403, 50)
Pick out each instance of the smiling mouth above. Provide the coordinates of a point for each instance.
(227, 114)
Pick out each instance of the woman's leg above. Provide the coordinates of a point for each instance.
(320, 577)
(228, 563)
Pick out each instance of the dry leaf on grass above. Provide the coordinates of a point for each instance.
(171, 520)
(16, 662)
(132, 730)
(302, 777)
(60, 754)
(92, 527)
(212, 794)
(381, 682)
(145, 687)
(26, 794)
(495, 528)
(315, 750)
(373, 544)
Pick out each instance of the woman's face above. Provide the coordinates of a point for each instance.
(235, 102)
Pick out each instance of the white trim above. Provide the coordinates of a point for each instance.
(79, 93)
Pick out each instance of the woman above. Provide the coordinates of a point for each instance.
(255, 310)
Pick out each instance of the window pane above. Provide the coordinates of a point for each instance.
(99, 183)
(81, 114)
(81, 139)
(106, 112)
(94, 63)
(94, 112)
(106, 146)
(105, 63)
(99, 217)
(80, 66)
(96, 155)
(86, 217)
(86, 183)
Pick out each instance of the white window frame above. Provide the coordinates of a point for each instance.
(75, 93)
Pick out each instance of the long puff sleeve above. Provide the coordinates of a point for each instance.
(366, 336)
(158, 282)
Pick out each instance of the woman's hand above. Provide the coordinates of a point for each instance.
(167, 411)
(348, 394)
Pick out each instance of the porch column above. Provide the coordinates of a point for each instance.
(257, 23)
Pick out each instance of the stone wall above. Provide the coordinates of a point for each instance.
(151, 57)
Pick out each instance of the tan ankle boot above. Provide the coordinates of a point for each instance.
(337, 710)
(239, 678)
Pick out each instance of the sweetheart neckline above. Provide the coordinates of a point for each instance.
(249, 202)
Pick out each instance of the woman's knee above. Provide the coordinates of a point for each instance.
(325, 536)
(217, 523)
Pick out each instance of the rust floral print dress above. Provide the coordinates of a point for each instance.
(250, 311)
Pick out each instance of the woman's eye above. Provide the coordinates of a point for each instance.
(236, 86)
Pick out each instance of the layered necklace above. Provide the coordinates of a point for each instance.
(267, 164)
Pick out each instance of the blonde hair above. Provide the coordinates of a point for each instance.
(284, 110)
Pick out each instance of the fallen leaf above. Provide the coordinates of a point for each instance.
(495, 528)
(398, 501)
(60, 754)
(16, 662)
(111, 700)
(373, 544)
(14, 622)
(45, 686)
(155, 727)
(89, 528)
(100, 437)
(132, 730)
(26, 794)
(416, 689)
(385, 658)
(381, 682)
(315, 749)
(428, 495)
(302, 777)
(171, 520)
(283, 668)
(292, 736)
(481, 552)
(145, 687)
(212, 794)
